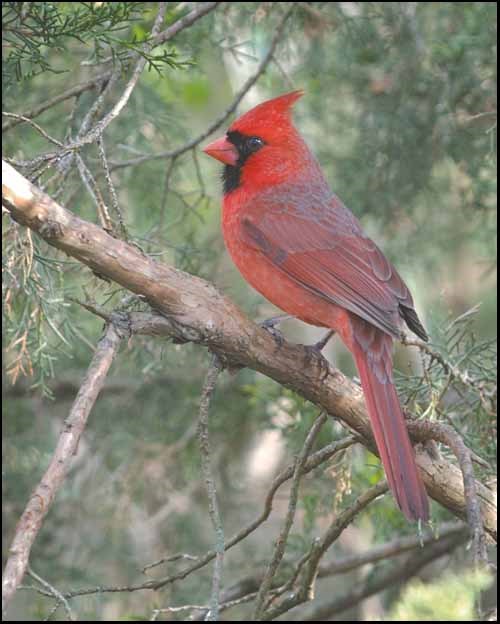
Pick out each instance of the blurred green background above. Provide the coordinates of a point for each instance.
(400, 108)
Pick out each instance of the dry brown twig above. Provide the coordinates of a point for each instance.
(140, 325)
(38, 128)
(310, 563)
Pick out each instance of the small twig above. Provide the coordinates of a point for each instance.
(41, 499)
(94, 133)
(65, 95)
(425, 430)
(54, 592)
(197, 169)
(213, 505)
(305, 591)
(166, 188)
(312, 462)
(390, 549)
(222, 118)
(95, 192)
(188, 20)
(224, 606)
(284, 74)
(250, 584)
(92, 307)
(169, 559)
(481, 116)
(111, 188)
(384, 579)
(34, 125)
(448, 367)
(279, 550)
(97, 106)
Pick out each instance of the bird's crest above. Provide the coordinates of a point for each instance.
(268, 114)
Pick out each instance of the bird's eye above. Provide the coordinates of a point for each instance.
(254, 144)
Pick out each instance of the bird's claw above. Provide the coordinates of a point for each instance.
(321, 344)
(314, 353)
(270, 325)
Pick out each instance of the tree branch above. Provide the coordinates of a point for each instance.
(213, 372)
(319, 547)
(75, 91)
(447, 435)
(41, 499)
(279, 550)
(250, 584)
(395, 575)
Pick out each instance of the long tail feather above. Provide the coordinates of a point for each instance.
(388, 424)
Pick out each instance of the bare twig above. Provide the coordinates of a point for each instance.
(111, 188)
(166, 188)
(224, 606)
(222, 118)
(65, 95)
(279, 550)
(185, 22)
(249, 585)
(169, 559)
(312, 462)
(38, 128)
(94, 133)
(440, 432)
(305, 591)
(453, 371)
(40, 501)
(213, 505)
(390, 549)
(60, 599)
(385, 579)
(98, 104)
(95, 192)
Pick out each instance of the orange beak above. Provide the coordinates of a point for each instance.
(223, 150)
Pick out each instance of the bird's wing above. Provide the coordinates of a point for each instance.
(320, 245)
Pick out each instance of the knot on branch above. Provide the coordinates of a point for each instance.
(50, 230)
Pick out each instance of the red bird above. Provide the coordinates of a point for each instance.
(296, 243)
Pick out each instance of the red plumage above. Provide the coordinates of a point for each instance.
(296, 243)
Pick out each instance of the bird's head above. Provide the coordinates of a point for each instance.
(261, 148)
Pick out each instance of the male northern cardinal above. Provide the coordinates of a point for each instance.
(296, 243)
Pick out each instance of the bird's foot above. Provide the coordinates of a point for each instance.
(271, 324)
(321, 344)
(314, 353)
